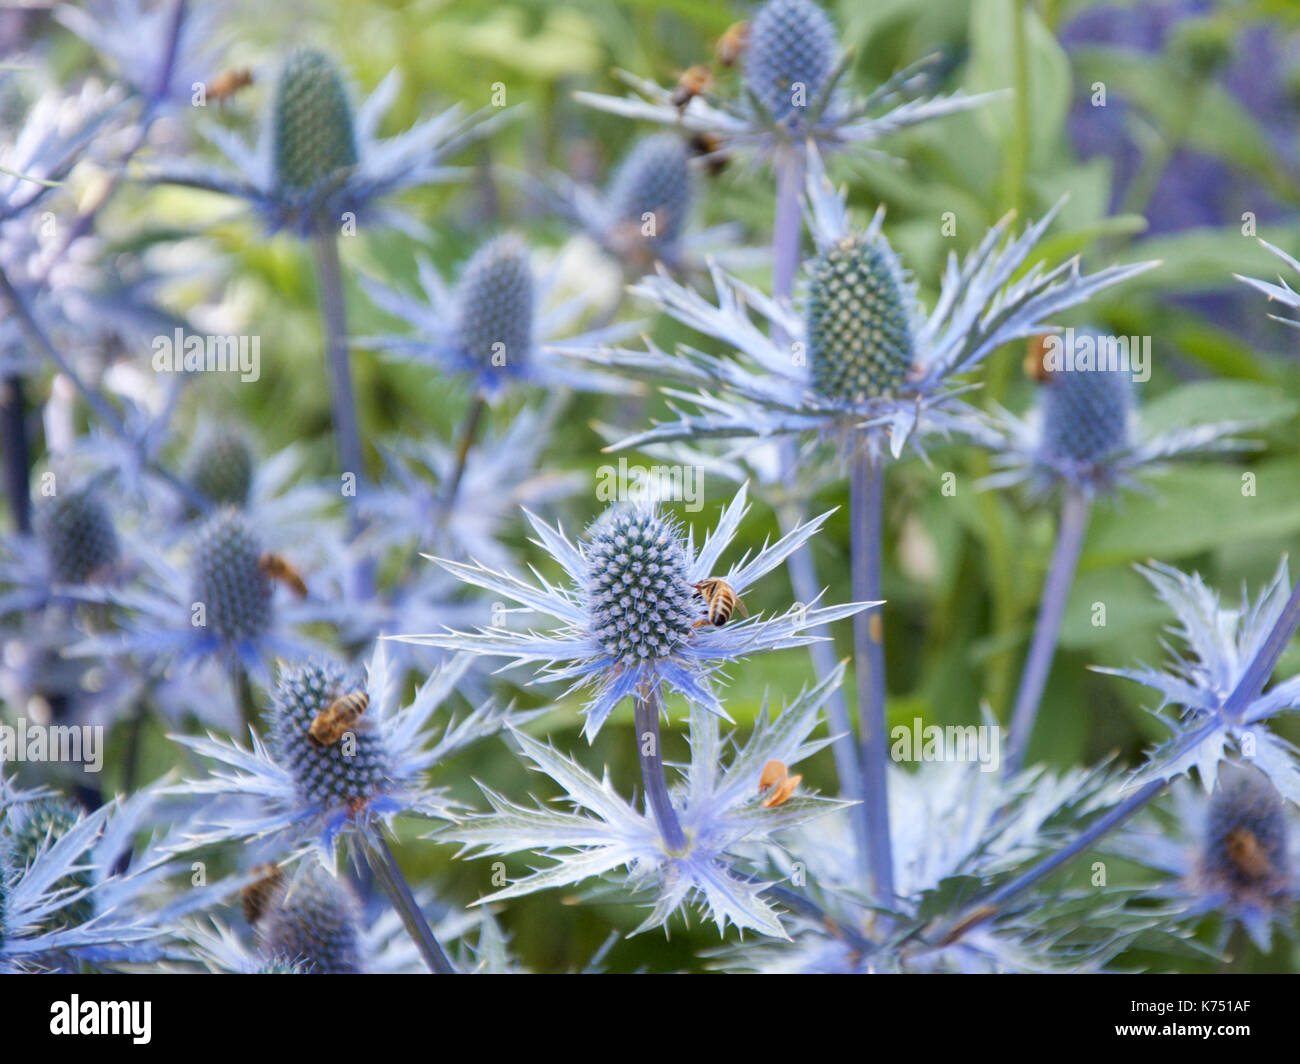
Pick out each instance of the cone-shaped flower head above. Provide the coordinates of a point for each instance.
(639, 592)
(1244, 851)
(790, 55)
(312, 923)
(653, 179)
(349, 770)
(221, 468)
(77, 533)
(1087, 414)
(312, 127)
(494, 304)
(860, 334)
(226, 577)
(37, 825)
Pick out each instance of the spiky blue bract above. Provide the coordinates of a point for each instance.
(350, 771)
(791, 53)
(1224, 647)
(77, 534)
(312, 127)
(625, 633)
(1087, 414)
(638, 590)
(494, 305)
(312, 922)
(860, 342)
(653, 179)
(1281, 292)
(227, 579)
(221, 467)
(35, 826)
(1244, 850)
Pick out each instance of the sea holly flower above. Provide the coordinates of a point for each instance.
(293, 788)
(318, 161)
(719, 804)
(632, 622)
(1231, 854)
(887, 384)
(1085, 434)
(792, 92)
(497, 327)
(1222, 645)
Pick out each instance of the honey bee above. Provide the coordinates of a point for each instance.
(338, 718)
(775, 777)
(721, 601)
(1035, 364)
(281, 571)
(227, 83)
(695, 81)
(253, 898)
(732, 44)
(1247, 854)
(709, 147)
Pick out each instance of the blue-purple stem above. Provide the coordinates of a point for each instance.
(388, 873)
(1075, 509)
(650, 751)
(866, 506)
(17, 452)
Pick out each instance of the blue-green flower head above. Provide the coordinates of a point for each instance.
(1087, 414)
(1244, 850)
(314, 137)
(77, 533)
(494, 305)
(652, 186)
(791, 53)
(33, 827)
(860, 321)
(639, 585)
(227, 579)
(344, 762)
(221, 467)
(312, 923)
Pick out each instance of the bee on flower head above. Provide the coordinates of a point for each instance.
(226, 84)
(254, 898)
(277, 568)
(1035, 363)
(720, 600)
(732, 44)
(694, 81)
(338, 718)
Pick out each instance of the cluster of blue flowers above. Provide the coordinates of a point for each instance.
(318, 652)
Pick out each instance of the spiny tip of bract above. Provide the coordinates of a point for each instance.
(494, 304)
(313, 133)
(1087, 414)
(77, 533)
(638, 597)
(221, 467)
(649, 196)
(346, 761)
(312, 923)
(227, 578)
(859, 314)
(791, 53)
(1244, 849)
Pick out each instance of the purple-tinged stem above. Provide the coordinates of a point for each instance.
(13, 433)
(1075, 509)
(468, 431)
(329, 281)
(650, 751)
(866, 505)
(379, 855)
(786, 224)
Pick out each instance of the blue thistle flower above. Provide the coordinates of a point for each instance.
(1087, 414)
(221, 467)
(1245, 847)
(792, 47)
(226, 578)
(312, 131)
(77, 533)
(652, 185)
(36, 825)
(496, 326)
(312, 922)
(628, 619)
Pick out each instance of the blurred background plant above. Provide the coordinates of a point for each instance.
(1174, 129)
